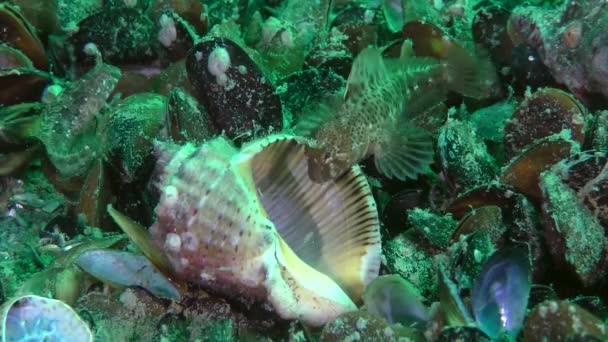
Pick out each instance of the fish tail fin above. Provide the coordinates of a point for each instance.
(404, 152)
(469, 75)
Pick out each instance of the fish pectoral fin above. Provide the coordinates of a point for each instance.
(404, 153)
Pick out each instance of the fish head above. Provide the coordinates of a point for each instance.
(326, 164)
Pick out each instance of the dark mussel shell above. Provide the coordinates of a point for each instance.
(408, 257)
(16, 31)
(469, 334)
(123, 36)
(488, 219)
(305, 88)
(368, 327)
(192, 11)
(586, 175)
(600, 131)
(332, 56)
(546, 112)
(186, 120)
(396, 211)
(22, 85)
(563, 321)
(69, 126)
(360, 25)
(133, 124)
(19, 125)
(95, 195)
(19, 80)
(517, 221)
(490, 31)
(574, 202)
(175, 35)
(428, 39)
(235, 93)
(465, 160)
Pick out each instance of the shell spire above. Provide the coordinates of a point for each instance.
(251, 223)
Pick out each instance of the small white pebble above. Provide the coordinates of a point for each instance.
(173, 242)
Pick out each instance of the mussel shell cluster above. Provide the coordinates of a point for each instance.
(177, 114)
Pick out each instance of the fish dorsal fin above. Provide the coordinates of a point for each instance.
(368, 69)
(316, 115)
(332, 226)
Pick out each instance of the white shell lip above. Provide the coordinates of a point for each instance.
(213, 202)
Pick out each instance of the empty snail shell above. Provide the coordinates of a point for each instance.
(251, 223)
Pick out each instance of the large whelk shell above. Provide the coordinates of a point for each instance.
(251, 223)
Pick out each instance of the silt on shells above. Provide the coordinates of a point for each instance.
(251, 223)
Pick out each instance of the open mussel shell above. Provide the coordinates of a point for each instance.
(396, 300)
(454, 310)
(501, 291)
(546, 112)
(19, 125)
(34, 318)
(240, 99)
(523, 172)
(22, 85)
(14, 162)
(251, 223)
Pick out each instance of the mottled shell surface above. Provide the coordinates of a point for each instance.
(249, 222)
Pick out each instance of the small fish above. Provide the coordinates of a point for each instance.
(374, 116)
